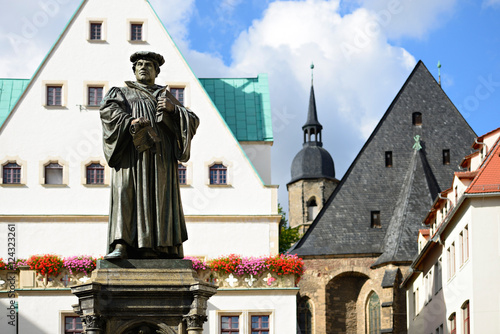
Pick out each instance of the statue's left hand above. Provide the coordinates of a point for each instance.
(165, 105)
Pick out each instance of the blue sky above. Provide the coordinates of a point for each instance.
(363, 52)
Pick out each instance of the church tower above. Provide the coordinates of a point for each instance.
(313, 173)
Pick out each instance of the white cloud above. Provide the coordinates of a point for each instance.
(410, 18)
(175, 15)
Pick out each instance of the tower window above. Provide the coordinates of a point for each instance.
(417, 118)
(388, 159)
(375, 219)
(312, 209)
(446, 157)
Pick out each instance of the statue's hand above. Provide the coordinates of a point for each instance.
(165, 105)
(141, 121)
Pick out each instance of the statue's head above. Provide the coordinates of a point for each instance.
(146, 66)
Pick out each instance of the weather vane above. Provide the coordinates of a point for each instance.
(312, 72)
(439, 72)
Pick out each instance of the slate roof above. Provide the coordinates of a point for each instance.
(402, 193)
(312, 161)
(244, 104)
(10, 91)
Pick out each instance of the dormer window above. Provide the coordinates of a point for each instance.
(312, 209)
(417, 118)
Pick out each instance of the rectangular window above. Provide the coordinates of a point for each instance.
(452, 259)
(95, 95)
(260, 324)
(72, 325)
(446, 157)
(388, 159)
(95, 174)
(218, 174)
(182, 174)
(438, 276)
(136, 32)
(96, 31)
(178, 93)
(11, 173)
(54, 95)
(53, 173)
(465, 246)
(375, 219)
(230, 324)
(417, 303)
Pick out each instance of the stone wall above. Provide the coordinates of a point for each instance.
(339, 289)
(300, 192)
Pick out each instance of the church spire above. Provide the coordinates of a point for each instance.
(312, 128)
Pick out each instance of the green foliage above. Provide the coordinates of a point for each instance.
(288, 235)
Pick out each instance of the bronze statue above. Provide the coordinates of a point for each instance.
(146, 132)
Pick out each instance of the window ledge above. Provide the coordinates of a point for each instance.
(220, 185)
(12, 185)
(97, 41)
(62, 185)
(96, 185)
(55, 107)
(137, 42)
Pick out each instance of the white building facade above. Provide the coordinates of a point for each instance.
(54, 185)
(453, 283)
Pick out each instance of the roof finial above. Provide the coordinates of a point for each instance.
(312, 72)
(439, 72)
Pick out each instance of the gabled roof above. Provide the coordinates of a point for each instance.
(244, 104)
(402, 193)
(488, 176)
(10, 91)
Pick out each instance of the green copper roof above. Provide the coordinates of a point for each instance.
(244, 104)
(10, 91)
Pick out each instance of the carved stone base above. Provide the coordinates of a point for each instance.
(143, 297)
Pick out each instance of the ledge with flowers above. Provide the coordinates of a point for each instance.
(236, 272)
(232, 272)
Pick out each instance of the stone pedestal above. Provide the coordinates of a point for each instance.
(143, 297)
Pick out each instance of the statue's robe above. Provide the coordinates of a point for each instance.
(145, 208)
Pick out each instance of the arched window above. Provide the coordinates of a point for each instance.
(466, 317)
(312, 209)
(305, 317)
(417, 118)
(11, 173)
(53, 173)
(218, 174)
(373, 314)
(95, 173)
(453, 323)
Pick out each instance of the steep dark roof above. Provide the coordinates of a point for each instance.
(312, 114)
(402, 193)
(312, 161)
